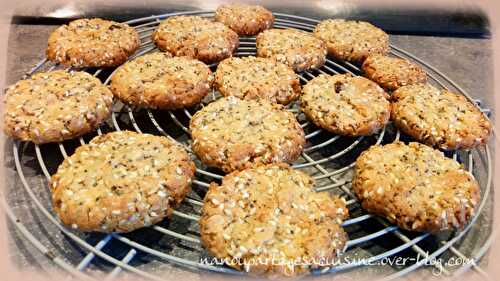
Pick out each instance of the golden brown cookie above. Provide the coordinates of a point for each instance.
(268, 220)
(256, 78)
(345, 104)
(352, 40)
(439, 118)
(233, 134)
(298, 49)
(245, 19)
(157, 80)
(196, 37)
(121, 181)
(92, 43)
(415, 187)
(55, 106)
(392, 73)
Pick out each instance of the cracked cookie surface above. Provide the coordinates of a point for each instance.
(439, 118)
(196, 37)
(272, 211)
(245, 19)
(55, 106)
(392, 73)
(121, 181)
(352, 40)
(345, 104)
(233, 134)
(415, 187)
(158, 80)
(92, 43)
(256, 78)
(298, 49)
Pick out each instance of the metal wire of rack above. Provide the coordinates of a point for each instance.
(328, 158)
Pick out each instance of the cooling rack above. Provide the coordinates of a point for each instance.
(175, 242)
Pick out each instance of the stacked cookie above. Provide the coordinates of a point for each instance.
(263, 210)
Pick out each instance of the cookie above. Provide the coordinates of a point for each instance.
(233, 134)
(245, 19)
(392, 73)
(268, 220)
(196, 37)
(415, 187)
(352, 40)
(121, 181)
(157, 80)
(298, 49)
(439, 118)
(92, 43)
(346, 105)
(257, 78)
(55, 106)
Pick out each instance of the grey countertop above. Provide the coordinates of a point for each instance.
(468, 62)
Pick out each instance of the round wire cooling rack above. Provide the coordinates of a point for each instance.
(328, 158)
